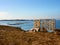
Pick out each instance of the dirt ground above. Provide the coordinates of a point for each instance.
(17, 36)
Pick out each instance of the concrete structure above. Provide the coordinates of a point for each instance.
(44, 24)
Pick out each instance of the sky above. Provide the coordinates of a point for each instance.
(29, 9)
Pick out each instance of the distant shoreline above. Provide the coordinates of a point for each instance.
(16, 20)
(21, 19)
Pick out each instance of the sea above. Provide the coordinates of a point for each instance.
(24, 24)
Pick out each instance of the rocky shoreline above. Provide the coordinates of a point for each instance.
(17, 36)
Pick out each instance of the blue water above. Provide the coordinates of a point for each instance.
(58, 24)
(27, 25)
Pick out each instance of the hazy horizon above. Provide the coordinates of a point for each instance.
(29, 9)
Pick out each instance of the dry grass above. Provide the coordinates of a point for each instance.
(16, 36)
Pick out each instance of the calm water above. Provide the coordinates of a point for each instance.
(26, 25)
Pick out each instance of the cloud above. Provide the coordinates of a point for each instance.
(4, 15)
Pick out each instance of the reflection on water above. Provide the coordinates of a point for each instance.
(26, 25)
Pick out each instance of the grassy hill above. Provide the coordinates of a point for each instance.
(17, 36)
